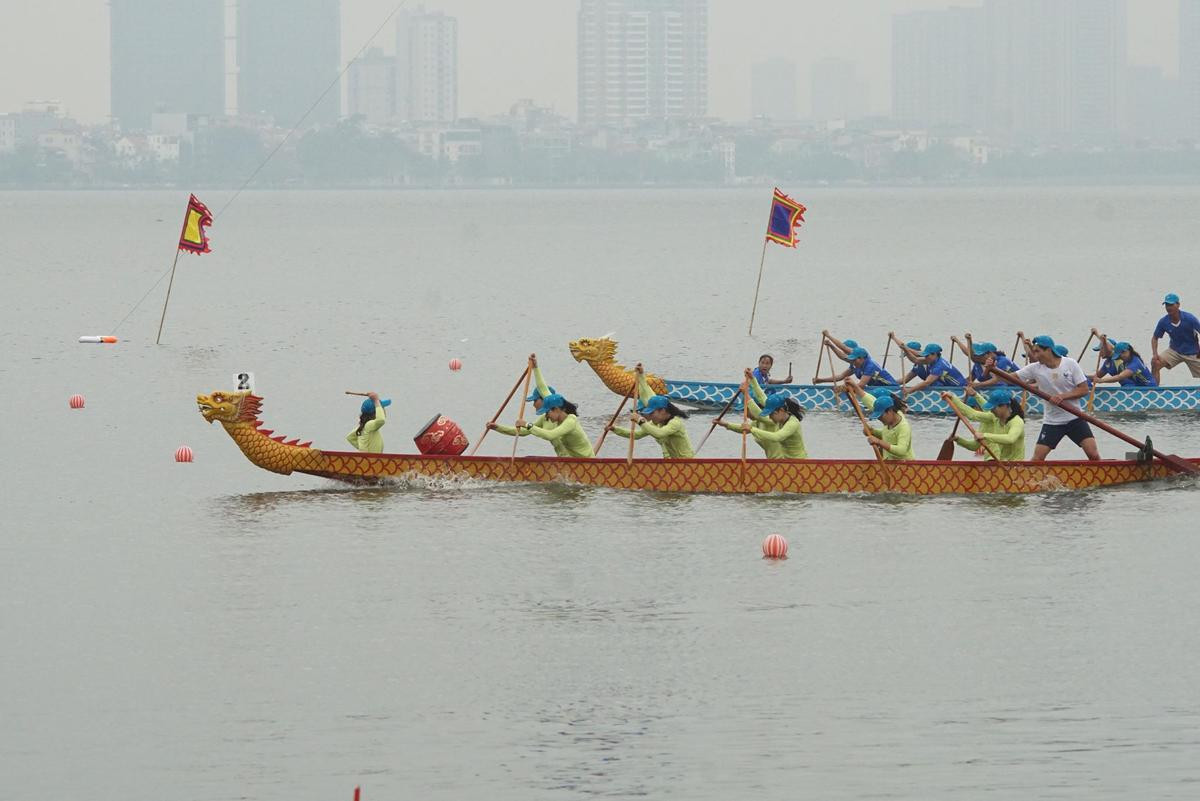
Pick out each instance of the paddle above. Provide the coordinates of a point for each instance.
(521, 411)
(745, 416)
(717, 420)
(1083, 352)
(1091, 404)
(524, 377)
(632, 430)
(887, 475)
(966, 422)
(616, 414)
(886, 350)
(1174, 462)
(946, 454)
(359, 394)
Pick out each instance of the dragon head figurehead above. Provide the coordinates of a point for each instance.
(594, 351)
(229, 407)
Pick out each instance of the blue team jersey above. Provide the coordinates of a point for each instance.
(1002, 363)
(875, 373)
(1141, 376)
(1183, 336)
(947, 374)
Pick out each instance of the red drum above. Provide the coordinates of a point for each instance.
(441, 436)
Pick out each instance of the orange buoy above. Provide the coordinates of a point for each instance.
(183, 454)
(774, 547)
(456, 364)
(98, 340)
(76, 402)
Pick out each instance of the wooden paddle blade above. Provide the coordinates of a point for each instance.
(946, 454)
(1179, 464)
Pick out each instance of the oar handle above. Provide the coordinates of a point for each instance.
(500, 411)
(616, 414)
(359, 394)
(962, 418)
(717, 420)
(1082, 415)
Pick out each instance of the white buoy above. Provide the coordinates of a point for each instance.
(98, 340)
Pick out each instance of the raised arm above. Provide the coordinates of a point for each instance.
(542, 387)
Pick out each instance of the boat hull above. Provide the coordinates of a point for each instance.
(821, 397)
(815, 476)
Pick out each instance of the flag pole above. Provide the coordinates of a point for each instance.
(754, 309)
(182, 231)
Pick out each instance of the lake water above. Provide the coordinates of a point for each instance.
(201, 631)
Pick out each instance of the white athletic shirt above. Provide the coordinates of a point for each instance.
(1055, 381)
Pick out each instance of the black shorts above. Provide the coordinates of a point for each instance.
(1078, 430)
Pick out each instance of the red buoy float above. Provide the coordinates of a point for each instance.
(456, 364)
(76, 402)
(775, 547)
(441, 436)
(183, 454)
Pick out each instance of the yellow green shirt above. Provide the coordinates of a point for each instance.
(897, 439)
(370, 440)
(771, 448)
(672, 437)
(1006, 439)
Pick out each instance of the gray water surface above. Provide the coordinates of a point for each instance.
(213, 631)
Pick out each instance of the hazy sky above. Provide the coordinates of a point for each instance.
(58, 49)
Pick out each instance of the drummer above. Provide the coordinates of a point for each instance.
(558, 424)
(371, 418)
(762, 373)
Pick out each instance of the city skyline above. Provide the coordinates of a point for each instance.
(506, 55)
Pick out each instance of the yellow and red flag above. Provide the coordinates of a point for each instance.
(194, 238)
(786, 217)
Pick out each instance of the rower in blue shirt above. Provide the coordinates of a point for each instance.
(935, 371)
(862, 367)
(1124, 367)
(983, 355)
(1184, 331)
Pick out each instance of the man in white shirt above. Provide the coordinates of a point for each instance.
(1063, 380)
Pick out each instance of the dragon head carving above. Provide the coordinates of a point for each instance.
(229, 407)
(594, 351)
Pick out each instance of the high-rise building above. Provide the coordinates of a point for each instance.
(938, 67)
(838, 93)
(1057, 67)
(773, 89)
(1189, 63)
(426, 66)
(166, 56)
(642, 59)
(371, 87)
(288, 54)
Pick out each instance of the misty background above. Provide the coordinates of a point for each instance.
(526, 48)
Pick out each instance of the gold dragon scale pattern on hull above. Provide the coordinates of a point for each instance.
(237, 412)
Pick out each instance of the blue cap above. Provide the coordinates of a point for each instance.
(1043, 341)
(1171, 299)
(931, 349)
(881, 406)
(1120, 347)
(535, 395)
(858, 353)
(983, 348)
(773, 404)
(998, 397)
(850, 343)
(369, 405)
(1061, 350)
(655, 403)
(912, 344)
(552, 401)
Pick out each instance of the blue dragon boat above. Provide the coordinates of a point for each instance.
(821, 397)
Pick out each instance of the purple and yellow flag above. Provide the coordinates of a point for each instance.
(786, 216)
(194, 239)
